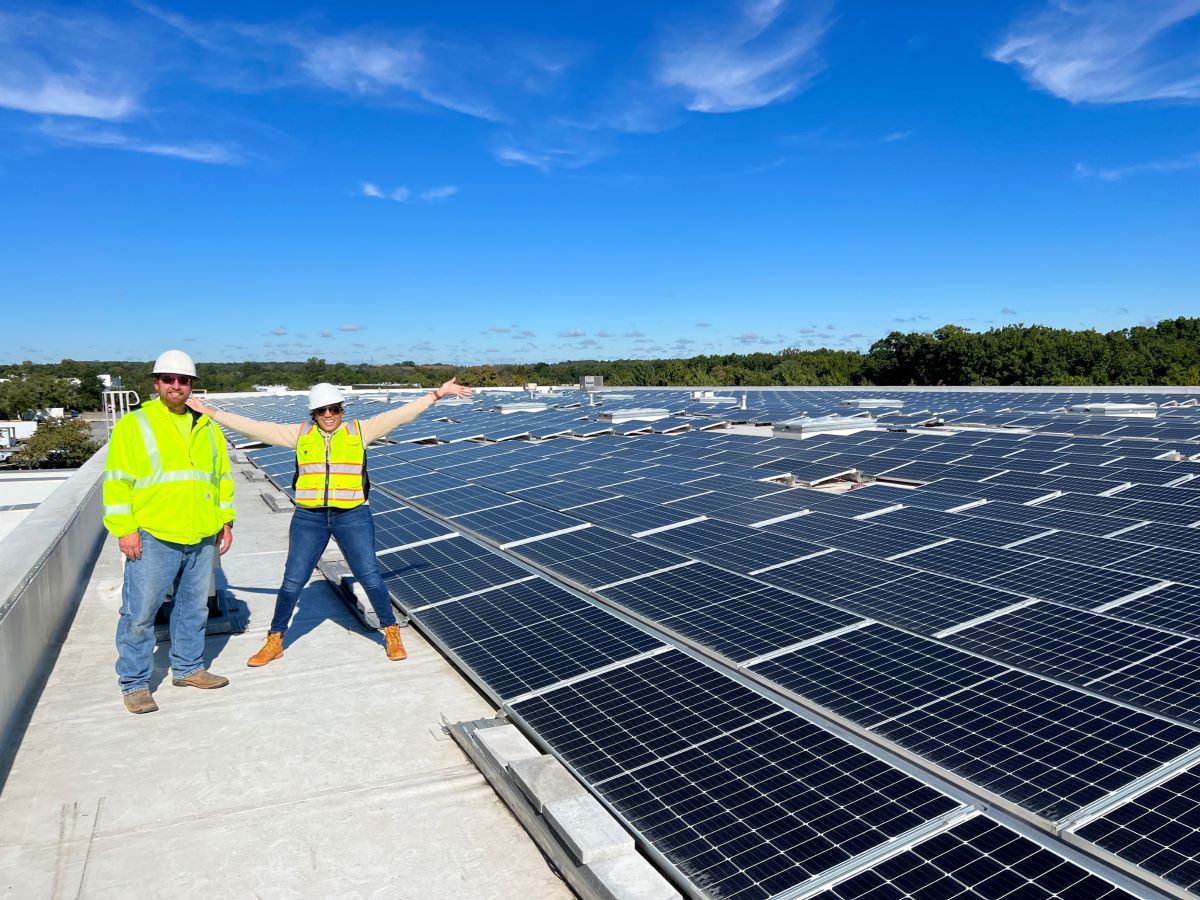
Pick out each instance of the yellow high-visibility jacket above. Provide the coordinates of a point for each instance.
(178, 491)
(331, 469)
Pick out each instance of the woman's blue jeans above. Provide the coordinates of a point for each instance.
(187, 567)
(354, 531)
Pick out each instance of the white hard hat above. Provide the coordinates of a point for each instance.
(323, 394)
(174, 362)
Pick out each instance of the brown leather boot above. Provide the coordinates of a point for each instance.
(272, 649)
(201, 678)
(140, 701)
(393, 644)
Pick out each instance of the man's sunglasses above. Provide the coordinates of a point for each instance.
(185, 380)
(335, 408)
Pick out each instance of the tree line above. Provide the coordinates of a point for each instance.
(1167, 353)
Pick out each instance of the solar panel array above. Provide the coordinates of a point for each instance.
(971, 674)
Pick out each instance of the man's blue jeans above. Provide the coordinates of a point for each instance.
(354, 531)
(147, 582)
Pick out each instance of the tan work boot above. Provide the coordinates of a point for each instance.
(201, 678)
(393, 644)
(272, 649)
(140, 701)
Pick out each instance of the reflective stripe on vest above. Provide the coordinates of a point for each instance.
(336, 479)
(157, 475)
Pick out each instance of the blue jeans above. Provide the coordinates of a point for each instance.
(147, 582)
(354, 531)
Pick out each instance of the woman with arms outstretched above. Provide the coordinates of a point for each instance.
(331, 498)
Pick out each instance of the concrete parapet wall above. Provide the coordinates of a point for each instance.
(45, 565)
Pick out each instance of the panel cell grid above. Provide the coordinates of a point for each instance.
(527, 636)
(881, 541)
(1084, 548)
(993, 532)
(834, 575)
(928, 605)
(1070, 644)
(876, 673)
(814, 526)
(979, 858)
(516, 522)
(1155, 830)
(680, 591)
(402, 526)
(745, 801)
(1156, 534)
(413, 580)
(752, 624)
(1072, 583)
(1049, 748)
(1175, 607)
(964, 559)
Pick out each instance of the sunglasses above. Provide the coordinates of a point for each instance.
(185, 380)
(335, 408)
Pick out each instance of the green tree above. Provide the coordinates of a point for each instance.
(57, 444)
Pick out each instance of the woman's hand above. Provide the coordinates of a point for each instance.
(198, 405)
(453, 389)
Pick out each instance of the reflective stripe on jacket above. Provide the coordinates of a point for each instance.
(178, 490)
(330, 469)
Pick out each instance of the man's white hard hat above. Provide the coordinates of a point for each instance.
(174, 362)
(323, 394)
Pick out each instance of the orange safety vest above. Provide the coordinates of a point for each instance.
(331, 470)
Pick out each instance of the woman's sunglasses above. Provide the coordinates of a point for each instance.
(335, 408)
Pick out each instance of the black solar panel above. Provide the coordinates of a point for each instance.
(1072, 583)
(402, 526)
(974, 562)
(529, 635)
(1097, 551)
(881, 541)
(993, 532)
(1158, 830)
(434, 572)
(979, 858)
(744, 798)
(1175, 607)
(833, 575)
(519, 521)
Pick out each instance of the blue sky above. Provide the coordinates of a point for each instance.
(505, 182)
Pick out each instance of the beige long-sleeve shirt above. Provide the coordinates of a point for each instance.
(281, 435)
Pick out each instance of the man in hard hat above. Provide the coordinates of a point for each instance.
(331, 498)
(168, 499)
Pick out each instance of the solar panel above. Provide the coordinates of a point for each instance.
(1075, 584)
(974, 562)
(1156, 534)
(1154, 829)
(679, 591)
(399, 527)
(611, 558)
(833, 575)
(431, 573)
(745, 799)
(1084, 548)
(993, 532)
(978, 858)
(465, 499)
(529, 635)
(1174, 607)
(1085, 523)
(1177, 565)
(519, 521)
(814, 526)
(928, 605)
(1140, 664)
(881, 541)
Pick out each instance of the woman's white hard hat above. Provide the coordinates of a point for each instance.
(323, 394)
(174, 362)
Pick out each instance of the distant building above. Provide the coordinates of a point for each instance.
(591, 382)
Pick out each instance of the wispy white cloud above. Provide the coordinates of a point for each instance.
(278, 332)
(352, 327)
(573, 333)
(1160, 167)
(70, 64)
(1008, 311)
(70, 132)
(1108, 51)
(403, 194)
(439, 193)
(766, 55)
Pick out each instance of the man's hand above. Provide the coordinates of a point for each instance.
(225, 540)
(131, 545)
